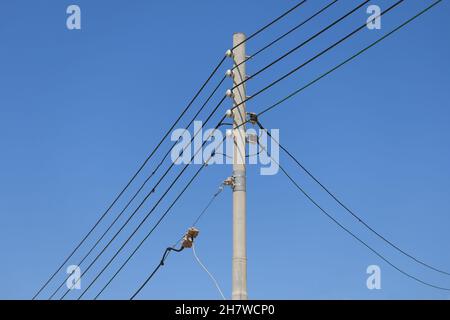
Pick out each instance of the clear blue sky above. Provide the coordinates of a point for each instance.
(80, 110)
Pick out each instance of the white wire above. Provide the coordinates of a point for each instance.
(209, 273)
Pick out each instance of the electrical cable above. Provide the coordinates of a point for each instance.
(161, 263)
(132, 178)
(287, 33)
(347, 230)
(202, 213)
(168, 250)
(314, 58)
(305, 42)
(293, 94)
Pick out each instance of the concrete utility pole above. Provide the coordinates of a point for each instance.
(239, 272)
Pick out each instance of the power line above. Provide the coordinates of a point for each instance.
(357, 217)
(347, 230)
(287, 33)
(166, 253)
(132, 178)
(293, 94)
(199, 217)
(143, 184)
(148, 214)
(145, 198)
(161, 263)
(254, 34)
(159, 144)
(222, 100)
(216, 284)
(305, 42)
(315, 57)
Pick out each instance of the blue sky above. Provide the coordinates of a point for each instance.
(80, 110)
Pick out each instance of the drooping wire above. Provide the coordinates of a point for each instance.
(296, 92)
(346, 208)
(161, 263)
(347, 230)
(167, 252)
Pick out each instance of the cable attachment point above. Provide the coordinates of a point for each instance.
(252, 118)
(229, 113)
(189, 237)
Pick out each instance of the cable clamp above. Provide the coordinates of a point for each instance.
(189, 237)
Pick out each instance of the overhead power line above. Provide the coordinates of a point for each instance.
(195, 222)
(271, 23)
(158, 146)
(346, 208)
(373, 44)
(304, 43)
(142, 186)
(132, 179)
(161, 263)
(284, 35)
(347, 230)
(167, 252)
(293, 71)
(149, 213)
